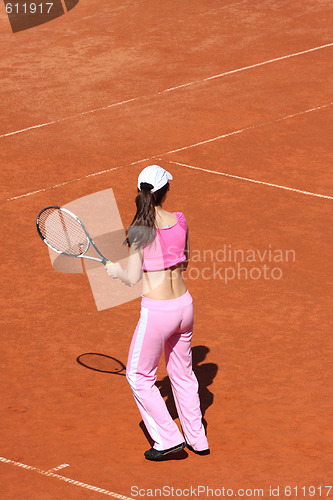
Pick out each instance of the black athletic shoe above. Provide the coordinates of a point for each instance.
(153, 454)
(198, 452)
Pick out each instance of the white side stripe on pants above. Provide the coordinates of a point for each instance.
(133, 369)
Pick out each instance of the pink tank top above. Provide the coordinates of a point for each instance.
(168, 247)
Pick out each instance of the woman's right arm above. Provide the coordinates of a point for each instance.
(133, 272)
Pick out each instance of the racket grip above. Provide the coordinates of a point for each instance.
(108, 262)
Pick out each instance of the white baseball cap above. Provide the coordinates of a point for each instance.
(154, 175)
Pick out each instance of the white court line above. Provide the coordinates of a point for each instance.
(244, 68)
(309, 193)
(65, 479)
(64, 6)
(46, 124)
(252, 127)
(170, 89)
(76, 180)
(157, 156)
(62, 466)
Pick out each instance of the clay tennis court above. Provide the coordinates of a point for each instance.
(234, 99)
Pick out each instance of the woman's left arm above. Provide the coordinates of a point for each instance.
(133, 273)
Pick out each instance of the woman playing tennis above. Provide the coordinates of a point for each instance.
(159, 246)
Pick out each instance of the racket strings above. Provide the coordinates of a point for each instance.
(63, 232)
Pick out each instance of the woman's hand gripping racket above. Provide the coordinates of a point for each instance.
(63, 231)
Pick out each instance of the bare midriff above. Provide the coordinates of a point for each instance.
(165, 284)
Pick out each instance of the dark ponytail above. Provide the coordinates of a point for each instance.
(142, 230)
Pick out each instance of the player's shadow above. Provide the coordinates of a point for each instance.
(205, 373)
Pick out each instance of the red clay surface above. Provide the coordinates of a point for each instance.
(269, 404)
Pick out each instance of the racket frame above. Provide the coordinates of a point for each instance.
(102, 260)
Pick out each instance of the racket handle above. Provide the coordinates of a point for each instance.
(108, 262)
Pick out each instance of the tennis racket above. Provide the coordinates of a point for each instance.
(63, 231)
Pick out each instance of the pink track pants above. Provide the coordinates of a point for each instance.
(166, 325)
